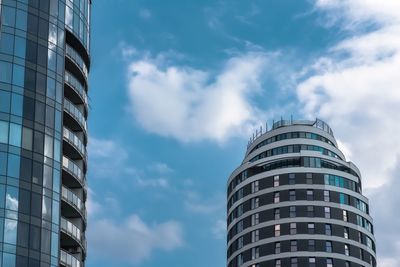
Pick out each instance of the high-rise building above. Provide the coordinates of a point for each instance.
(44, 63)
(296, 202)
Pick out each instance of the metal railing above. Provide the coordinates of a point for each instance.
(74, 200)
(75, 112)
(74, 140)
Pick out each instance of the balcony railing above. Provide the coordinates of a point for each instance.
(74, 56)
(74, 140)
(73, 200)
(76, 85)
(72, 230)
(70, 166)
(75, 112)
(69, 260)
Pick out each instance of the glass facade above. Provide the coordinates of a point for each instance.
(36, 133)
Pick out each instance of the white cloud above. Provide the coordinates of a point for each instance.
(132, 240)
(196, 203)
(356, 88)
(145, 13)
(191, 104)
(158, 182)
(219, 229)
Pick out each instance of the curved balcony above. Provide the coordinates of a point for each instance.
(69, 260)
(79, 92)
(75, 173)
(74, 236)
(76, 115)
(75, 148)
(73, 206)
(77, 59)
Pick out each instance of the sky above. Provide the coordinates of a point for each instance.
(177, 88)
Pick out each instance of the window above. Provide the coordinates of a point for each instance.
(346, 250)
(276, 180)
(311, 262)
(15, 134)
(255, 219)
(27, 138)
(310, 211)
(13, 165)
(239, 259)
(293, 262)
(239, 210)
(292, 178)
(255, 202)
(239, 226)
(292, 211)
(346, 233)
(328, 246)
(293, 228)
(278, 263)
(254, 186)
(4, 102)
(326, 196)
(327, 212)
(48, 146)
(277, 247)
(255, 253)
(310, 195)
(329, 263)
(5, 72)
(293, 245)
(328, 229)
(345, 218)
(292, 195)
(255, 236)
(277, 213)
(276, 197)
(311, 228)
(240, 242)
(240, 193)
(311, 245)
(309, 178)
(277, 230)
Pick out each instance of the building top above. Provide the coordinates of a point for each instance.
(317, 123)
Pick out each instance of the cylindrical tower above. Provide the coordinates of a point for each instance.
(44, 62)
(295, 201)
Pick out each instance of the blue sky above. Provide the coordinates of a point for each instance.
(177, 87)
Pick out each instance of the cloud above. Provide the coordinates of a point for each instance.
(219, 229)
(145, 13)
(356, 88)
(132, 240)
(196, 203)
(190, 104)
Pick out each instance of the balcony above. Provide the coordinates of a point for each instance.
(77, 59)
(72, 205)
(74, 173)
(73, 236)
(75, 147)
(78, 92)
(69, 260)
(75, 120)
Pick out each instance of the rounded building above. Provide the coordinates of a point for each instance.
(295, 202)
(44, 64)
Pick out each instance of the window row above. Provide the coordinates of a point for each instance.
(296, 195)
(308, 162)
(30, 171)
(20, 136)
(292, 135)
(300, 228)
(294, 149)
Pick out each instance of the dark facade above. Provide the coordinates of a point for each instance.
(44, 62)
(295, 201)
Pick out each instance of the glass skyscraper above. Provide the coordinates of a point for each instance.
(296, 202)
(44, 63)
